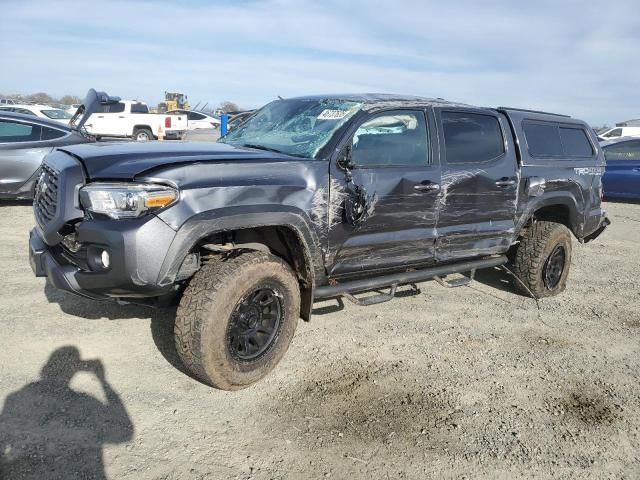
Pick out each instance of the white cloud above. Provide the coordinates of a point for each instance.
(572, 57)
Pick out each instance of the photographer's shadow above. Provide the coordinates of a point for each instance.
(48, 430)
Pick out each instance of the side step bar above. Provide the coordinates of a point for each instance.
(366, 284)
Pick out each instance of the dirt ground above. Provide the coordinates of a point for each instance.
(471, 382)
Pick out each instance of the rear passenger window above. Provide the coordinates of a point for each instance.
(390, 139)
(51, 133)
(111, 108)
(575, 142)
(543, 140)
(11, 132)
(553, 140)
(139, 108)
(471, 137)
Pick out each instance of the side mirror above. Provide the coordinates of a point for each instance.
(345, 161)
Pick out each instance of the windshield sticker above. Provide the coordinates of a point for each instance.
(329, 114)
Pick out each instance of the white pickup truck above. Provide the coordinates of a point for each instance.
(132, 119)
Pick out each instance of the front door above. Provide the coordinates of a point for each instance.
(479, 184)
(383, 206)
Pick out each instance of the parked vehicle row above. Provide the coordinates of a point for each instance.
(40, 111)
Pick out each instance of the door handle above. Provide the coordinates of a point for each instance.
(120, 116)
(636, 169)
(427, 187)
(100, 116)
(505, 183)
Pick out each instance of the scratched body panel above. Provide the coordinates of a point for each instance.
(572, 186)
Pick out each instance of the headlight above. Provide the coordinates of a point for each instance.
(126, 200)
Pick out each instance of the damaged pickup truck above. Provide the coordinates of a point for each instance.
(314, 198)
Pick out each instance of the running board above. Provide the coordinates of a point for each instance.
(374, 299)
(367, 284)
(457, 282)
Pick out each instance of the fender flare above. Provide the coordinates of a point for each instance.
(208, 223)
(576, 217)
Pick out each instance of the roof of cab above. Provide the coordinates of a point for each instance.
(378, 100)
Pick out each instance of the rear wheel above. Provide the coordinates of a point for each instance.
(142, 135)
(237, 318)
(543, 257)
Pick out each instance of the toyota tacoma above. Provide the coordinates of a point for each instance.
(314, 198)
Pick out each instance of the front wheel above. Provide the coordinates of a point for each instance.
(237, 318)
(542, 259)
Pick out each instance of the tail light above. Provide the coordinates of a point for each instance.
(167, 122)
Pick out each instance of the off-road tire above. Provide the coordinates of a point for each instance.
(204, 316)
(138, 131)
(531, 255)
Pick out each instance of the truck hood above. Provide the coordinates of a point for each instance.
(126, 160)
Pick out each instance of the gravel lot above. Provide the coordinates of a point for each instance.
(473, 382)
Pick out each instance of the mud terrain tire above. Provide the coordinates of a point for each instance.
(542, 259)
(251, 291)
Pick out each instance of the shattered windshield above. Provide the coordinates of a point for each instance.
(298, 127)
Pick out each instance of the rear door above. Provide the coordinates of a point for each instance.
(622, 174)
(479, 184)
(382, 211)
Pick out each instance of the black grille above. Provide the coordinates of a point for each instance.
(46, 195)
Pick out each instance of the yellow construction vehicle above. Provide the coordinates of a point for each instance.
(173, 101)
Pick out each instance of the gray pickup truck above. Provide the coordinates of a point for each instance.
(313, 198)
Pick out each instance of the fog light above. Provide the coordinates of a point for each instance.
(105, 259)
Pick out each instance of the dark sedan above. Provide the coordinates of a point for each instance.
(24, 141)
(622, 175)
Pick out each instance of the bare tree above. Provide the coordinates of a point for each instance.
(40, 97)
(70, 100)
(228, 106)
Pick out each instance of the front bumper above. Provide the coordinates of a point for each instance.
(137, 249)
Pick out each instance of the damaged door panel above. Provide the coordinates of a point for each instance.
(387, 187)
(479, 185)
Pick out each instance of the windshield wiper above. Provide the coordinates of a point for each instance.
(261, 147)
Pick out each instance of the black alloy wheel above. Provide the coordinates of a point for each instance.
(254, 324)
(554, 266)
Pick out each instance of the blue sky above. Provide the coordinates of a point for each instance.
(576, 57)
